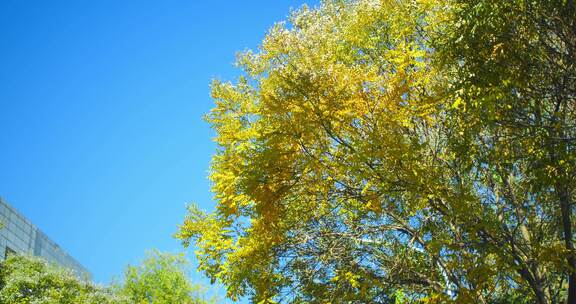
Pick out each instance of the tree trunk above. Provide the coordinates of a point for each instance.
(565, 209)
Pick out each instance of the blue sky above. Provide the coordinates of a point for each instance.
(101, 105)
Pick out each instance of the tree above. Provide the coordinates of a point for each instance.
(26, 280)
(384, 150)
(512, 66)
(162, 278)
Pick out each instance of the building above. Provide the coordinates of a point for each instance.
(19, 235)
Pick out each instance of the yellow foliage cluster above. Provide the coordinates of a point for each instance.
(371, 149)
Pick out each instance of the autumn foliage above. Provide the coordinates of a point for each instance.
(387, 150)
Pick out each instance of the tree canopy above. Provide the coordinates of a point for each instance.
(26, 280)
(162, 278)
(388, 150)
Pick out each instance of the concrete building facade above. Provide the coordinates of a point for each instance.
(19, 235)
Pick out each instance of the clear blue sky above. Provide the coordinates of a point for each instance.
(102, 141)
